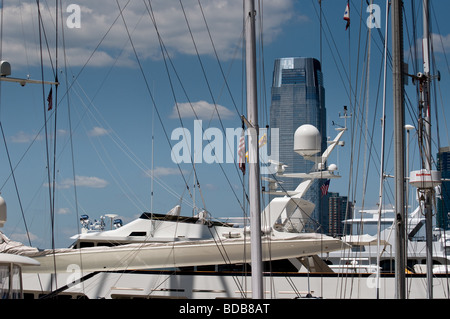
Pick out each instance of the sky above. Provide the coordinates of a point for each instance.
(117, 96)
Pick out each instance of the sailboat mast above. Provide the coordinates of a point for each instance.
(399, 141)
(254, 173)
(383, 140)
(425, 132)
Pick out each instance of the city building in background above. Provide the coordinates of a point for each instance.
(297, 98)
(339, 209)
(443, 195)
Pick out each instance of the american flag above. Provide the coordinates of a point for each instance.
(241, 152)
(50, 100)
(324, 187)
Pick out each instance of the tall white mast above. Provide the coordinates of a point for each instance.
(254, 173)
(383, 129)
(399, 139)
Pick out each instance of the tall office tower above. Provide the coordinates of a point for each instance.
(443, 198)
(339, 209)
(298, 97)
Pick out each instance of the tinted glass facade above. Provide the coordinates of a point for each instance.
(297, 98)
(443, 199)
(339, 209)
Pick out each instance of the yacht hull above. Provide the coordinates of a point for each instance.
(180, 254)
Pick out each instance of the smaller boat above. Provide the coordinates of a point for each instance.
(11, 285)
(361, 254)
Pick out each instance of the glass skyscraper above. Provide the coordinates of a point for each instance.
(443, 198)
(297, 98)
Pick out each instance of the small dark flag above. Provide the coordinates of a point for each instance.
(50, 100)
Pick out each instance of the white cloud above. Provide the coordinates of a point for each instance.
(83, 181)
(212, 187)
(63, 211)
(164, 171)
(201, 109)
(23, 238)
(23, 137)
(441, 43)
(98, 131)
(100, 21)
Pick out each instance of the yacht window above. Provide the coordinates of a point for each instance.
(85, 244)
(138, 233)
(358, 248)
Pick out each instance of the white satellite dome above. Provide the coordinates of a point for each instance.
(332, 167)
(307, 140)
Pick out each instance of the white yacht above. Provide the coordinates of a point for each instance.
(361, 254)
(169, 241)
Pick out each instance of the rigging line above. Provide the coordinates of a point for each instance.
(333, 56)
(373, 125)
(130, 38)
(224, 78)
(15, 183)
(55, 73)
(148, 87)
(163, 48)
(435, 97)
(345, 86)
(448, 68)
(123, 146)
(366, 128)
(163, 52)
(122, 184)
(94, 51)
(24, 40)
(440, 38)
(355, 103)
(46, 136)
(262, 90)
(412, 53)
(202, 67)
(129, 153)
(77, 215)
(219, 242)
(22, 157)
(42, 32)
(217, 58)
(415, 53)
(354, 127)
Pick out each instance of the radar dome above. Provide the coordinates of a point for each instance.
(307, 140)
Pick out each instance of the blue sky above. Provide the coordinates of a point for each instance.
(111, 109)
